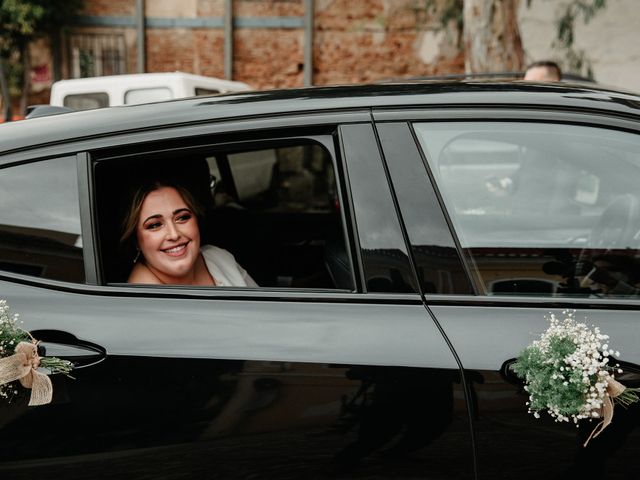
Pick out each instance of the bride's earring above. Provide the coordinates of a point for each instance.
(137, 255)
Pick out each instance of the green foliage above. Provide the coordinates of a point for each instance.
(445, 12)
(576, 59)
(10, 335)
(452, 10)
(22, 21)
(546, 385)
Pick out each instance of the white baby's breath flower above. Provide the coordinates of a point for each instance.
(587, 366)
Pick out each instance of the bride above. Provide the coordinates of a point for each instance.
(162, 223)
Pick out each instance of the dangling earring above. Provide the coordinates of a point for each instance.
(137, 255)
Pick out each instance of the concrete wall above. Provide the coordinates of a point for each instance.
(610, 40)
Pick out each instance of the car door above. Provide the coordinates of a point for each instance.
(530, 205)
(328, 369)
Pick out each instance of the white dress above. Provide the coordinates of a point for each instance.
(224, 269)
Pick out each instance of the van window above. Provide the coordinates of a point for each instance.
(146, 95)
(86, 101)
(206, 91)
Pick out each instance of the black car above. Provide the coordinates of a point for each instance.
(408, 241)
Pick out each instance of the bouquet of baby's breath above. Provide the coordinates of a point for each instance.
(567, 373)
(19, 361)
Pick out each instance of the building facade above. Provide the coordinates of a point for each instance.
(289, 43)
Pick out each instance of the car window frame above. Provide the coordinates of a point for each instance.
(543, 114)
(264, 139)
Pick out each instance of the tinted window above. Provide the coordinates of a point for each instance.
(542, 209)
(40, 220)
(87, 101)
(275, 209)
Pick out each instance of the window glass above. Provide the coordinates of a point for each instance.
(275, 209)
(541, 209)
(206, 91)
(40, 220)
(86, 101)
(146, 95)
(94, 55)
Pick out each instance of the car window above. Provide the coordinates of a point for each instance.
(86, 101)
(276, 209)
(40, 231)
(541, 209)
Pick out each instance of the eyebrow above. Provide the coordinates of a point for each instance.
(175, 212)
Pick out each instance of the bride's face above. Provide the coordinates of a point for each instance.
(168, 235)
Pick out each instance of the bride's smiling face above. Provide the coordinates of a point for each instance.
(168, 235)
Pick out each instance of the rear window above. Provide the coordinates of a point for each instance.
(86, 101)
(206, 91)
(147, 95)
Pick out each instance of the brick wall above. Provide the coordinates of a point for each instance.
(354, 41)
(109, 7)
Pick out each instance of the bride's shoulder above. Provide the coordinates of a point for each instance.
(212, 251)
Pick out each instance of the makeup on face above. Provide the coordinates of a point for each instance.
(168, 236)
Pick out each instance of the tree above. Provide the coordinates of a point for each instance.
(491, 36)
(21, 22)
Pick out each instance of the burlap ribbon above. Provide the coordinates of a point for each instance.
(23, 366)
(614, 389)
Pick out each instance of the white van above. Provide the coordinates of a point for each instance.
(98, 92)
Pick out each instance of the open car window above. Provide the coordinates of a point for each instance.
(275, 207)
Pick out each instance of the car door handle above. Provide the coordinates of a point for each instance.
(509, 375)
(57, 343)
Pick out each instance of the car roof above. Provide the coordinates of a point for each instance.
(108, 121)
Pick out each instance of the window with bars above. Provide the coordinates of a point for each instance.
(94, 55)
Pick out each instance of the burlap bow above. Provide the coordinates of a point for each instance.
(614, 389)
(23, 366)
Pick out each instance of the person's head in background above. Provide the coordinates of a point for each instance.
(543, 71)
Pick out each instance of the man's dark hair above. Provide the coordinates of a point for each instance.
(546, 64)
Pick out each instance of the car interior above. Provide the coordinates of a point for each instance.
(276, 209)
